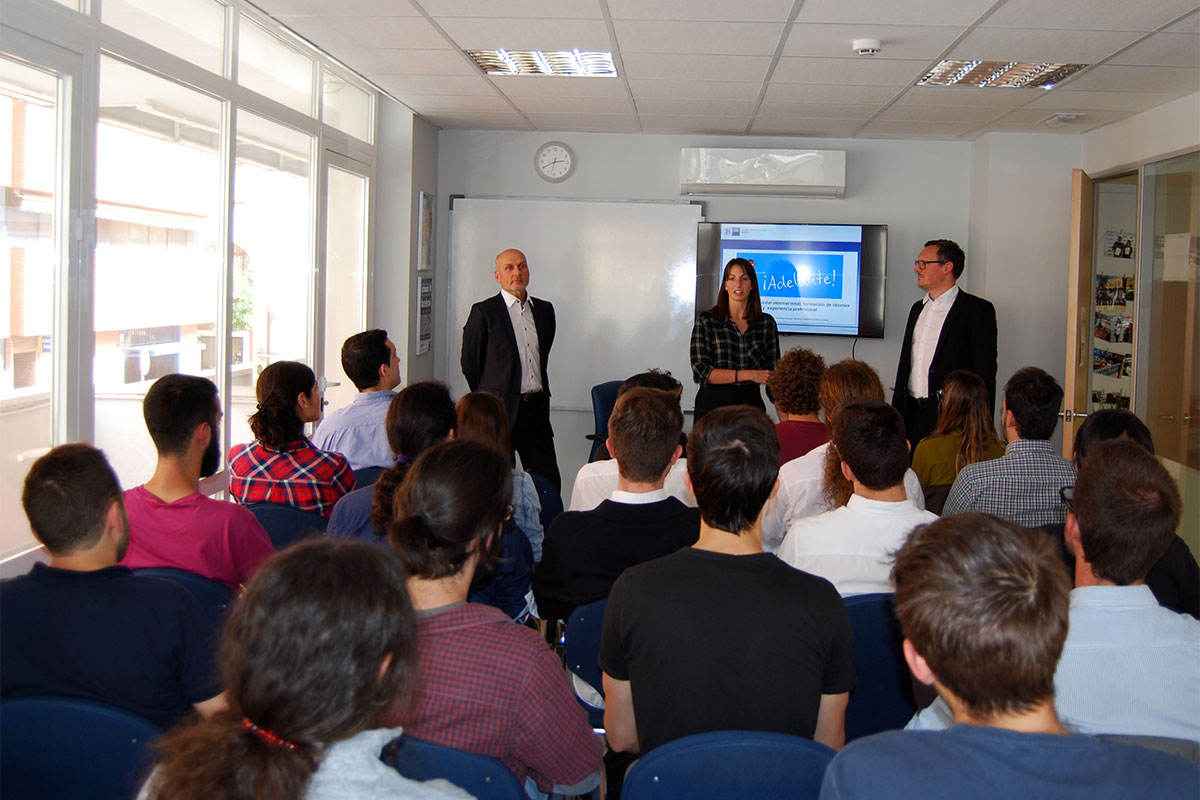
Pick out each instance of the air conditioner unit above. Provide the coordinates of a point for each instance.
(752, 171)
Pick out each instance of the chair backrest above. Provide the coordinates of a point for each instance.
(883, 698)
(582, 651)
(725, 764)
(935, 497)
(549, 498)
(604, 397)
(366, 476)
(1183, 748)
(64, 748)
(216, 598)
(288, 524)
(483, 776)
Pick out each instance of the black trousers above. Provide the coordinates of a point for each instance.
(533, 438)
(920, 418)
(711, 396)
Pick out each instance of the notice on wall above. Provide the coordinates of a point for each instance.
(424, 314)
(1118, 244)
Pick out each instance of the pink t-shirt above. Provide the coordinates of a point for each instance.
(218, 539)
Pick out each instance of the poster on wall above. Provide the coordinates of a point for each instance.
(425, 231)
(1114, 292)
(1118, 244)
(424, 314)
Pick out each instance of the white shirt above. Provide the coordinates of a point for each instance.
(521, 316)
(799, 495)
(853, 547)
(597, 481)
(926, 333)
(638, 498)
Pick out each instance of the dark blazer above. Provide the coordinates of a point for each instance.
(967, 341)
(490, 359)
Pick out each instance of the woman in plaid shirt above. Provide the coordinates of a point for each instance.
(281, 465)
(734, 344)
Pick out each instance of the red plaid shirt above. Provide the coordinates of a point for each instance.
(301, 476)
(490, 686)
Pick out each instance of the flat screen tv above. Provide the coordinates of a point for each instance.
(825, 280)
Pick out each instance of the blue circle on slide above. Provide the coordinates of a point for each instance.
(779, 279)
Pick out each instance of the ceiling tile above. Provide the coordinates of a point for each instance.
(829, 93)
(904, 129)
(483, 33)
(440, 84)
(477, 121)
(345, 8)
(968, 96)
(654, 123)
(1189, 24)
(899, 41)
(1025, 44)
(580, 105)
(393, 61)
(1108, 15)
(741, 11)
(539, 9)
(874, 12)
(1031, 116)
(854, 71)
(1163, 50)
(688, 66)
(685, 36)
(859, 111)
(947, 113)
(1069, 100)
(461, 104)
(372, 32)
(1132, 79)
(558, 86)
(698, 90)
(798, 126)
(605, 123)
(693, 108)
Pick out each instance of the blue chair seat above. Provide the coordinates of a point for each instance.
(286, 524)
(216, 598)
(582, 651)
(483, 776)
(883, 697)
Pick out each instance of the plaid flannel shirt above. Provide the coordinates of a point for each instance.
(301, 475)
(718, 344)
(1022, 485)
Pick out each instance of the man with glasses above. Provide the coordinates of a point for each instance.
(948, 329)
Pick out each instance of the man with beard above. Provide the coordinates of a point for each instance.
(171, 523)
(83, 626)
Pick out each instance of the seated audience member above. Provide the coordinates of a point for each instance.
(482, 418)
(652, 378)
(281, 465)
(964, 434)
(803, 489)
(795, 383)
(722, 636)
(1022, 485)
(852, 546)
(357, 430)
(486, 685)
(316, 652)
(419, 417)
(171, 524)
(984, 606)
(85, 627)
(587, 550)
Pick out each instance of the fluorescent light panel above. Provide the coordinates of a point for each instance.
(572, 63)
(999, 74)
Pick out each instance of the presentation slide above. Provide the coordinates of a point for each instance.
(808, 275)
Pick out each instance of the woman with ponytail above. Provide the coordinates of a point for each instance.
(487, 686)
(281, 465)
(965, 433)
(317, 649)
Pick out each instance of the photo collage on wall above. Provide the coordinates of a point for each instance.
(1113, 325)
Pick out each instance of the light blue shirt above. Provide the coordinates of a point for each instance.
(527, 511)
(358, 432)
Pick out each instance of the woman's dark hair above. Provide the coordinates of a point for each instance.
(452, 500)
(276, 424)
(753, 304)
(319, 647)
(966, 408)
(483, 418)
(419, 416)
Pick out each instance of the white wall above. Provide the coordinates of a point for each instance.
(1161, 132)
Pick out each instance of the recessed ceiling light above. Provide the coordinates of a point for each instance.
(572, 63)
(999, 74)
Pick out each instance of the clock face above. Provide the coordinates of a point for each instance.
(554, 162)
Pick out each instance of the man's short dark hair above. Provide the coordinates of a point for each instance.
(174, 406)
(869, 436)
(948, 250)
(1127, 507)
(362, 356)
(795, 382)
(1110, 423)
(644, 430)
(1033, 397)
(985, 602)
(651, 379)
(67, 495)
(733, 461)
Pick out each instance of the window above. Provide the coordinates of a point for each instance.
(345, 106)
(190, 29)
(270, 67)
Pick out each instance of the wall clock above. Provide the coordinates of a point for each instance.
(554, 162)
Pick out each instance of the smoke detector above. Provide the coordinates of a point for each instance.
(866, 47)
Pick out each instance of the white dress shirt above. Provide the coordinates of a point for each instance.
(926, 333)
(597, 481)
(521, 316)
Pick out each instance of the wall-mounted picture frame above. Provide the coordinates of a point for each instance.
(424, 231)
(424, 314)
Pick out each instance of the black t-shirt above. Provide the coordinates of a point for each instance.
(137, 643)
(718, 642)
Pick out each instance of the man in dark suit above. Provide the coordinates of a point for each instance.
(506, 346)
(948, 329)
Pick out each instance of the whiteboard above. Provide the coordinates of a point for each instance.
(621, 276)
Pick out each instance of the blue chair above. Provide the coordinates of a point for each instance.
(288, 524)
(883, 698)
(725, 764)
(65, 748)
(483, 776)
(216, 598)
(604, 397)
(549, 498)
(582, 652)
(367, 476)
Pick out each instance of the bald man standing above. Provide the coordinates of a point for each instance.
(506, 346)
